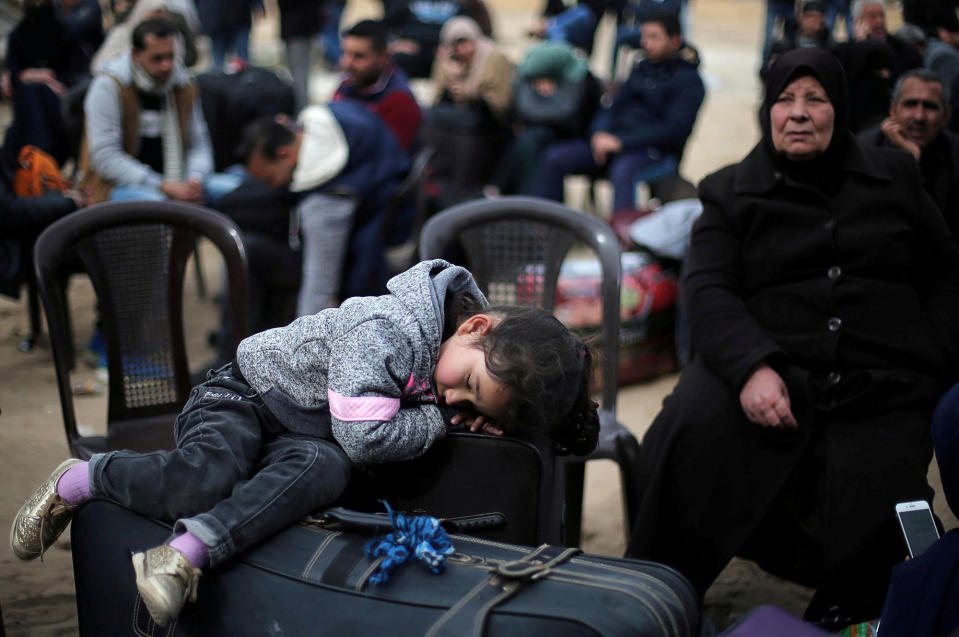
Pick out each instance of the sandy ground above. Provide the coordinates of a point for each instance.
(37, 599)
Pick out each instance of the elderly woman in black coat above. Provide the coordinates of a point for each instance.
(823, 295)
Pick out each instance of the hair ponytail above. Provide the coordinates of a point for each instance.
(578, 431)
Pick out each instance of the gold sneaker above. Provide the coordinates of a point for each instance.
(42, 518)
(165, 579)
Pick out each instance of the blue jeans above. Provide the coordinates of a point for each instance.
(836, 8)
(235, 478)
(574, 157)
(330, 32)
(576, 26)
(784, 9)
(237, 40)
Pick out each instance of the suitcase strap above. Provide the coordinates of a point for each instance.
(468, 616)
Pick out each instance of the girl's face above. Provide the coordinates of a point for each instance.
(461, 377)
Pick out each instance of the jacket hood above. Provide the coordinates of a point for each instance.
(434, 280)
(324, 151)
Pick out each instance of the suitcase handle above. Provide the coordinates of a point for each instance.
(380, 522)
(478, 522)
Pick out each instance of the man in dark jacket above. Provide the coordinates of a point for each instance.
(371, 77)
(343, 163)
(873, 60)
(649, 120)
(916, 123)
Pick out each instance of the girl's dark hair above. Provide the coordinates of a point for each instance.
(547, 370)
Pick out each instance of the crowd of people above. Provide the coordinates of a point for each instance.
(822, 279)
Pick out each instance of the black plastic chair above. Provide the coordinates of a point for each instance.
(135, 254)
(514, 246)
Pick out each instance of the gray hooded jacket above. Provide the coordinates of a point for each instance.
(362, 372)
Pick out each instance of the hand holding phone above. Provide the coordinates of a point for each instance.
(918, 526)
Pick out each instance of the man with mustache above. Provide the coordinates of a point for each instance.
(917, 118)
(145, 136)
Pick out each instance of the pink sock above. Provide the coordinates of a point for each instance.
(74, 485)
(195, 550)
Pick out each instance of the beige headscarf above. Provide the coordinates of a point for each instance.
(464, 28)
(489, 74)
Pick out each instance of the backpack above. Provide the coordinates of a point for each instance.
(37, 173)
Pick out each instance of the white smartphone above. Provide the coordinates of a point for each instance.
(918, 526)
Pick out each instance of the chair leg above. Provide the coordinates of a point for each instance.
(33, 311)
(574, 476)
(200, 279)
(627, 457)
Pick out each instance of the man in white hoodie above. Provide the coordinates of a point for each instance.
(344, 164)
(145, 135)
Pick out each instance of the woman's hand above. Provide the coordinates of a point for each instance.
(476, 423)
(43, 76)
(765, 399)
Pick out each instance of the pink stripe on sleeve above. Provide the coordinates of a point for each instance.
(362, 408)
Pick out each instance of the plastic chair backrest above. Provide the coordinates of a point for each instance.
(135, 254)
(515, 246)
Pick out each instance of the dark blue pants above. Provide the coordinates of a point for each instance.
(574, 157)
(235, 478)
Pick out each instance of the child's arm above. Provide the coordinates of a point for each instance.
(369, 367)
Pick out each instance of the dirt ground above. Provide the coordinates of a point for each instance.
(37, 598)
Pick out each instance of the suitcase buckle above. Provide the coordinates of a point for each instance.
(521, 570)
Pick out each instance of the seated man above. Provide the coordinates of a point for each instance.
(649, 120)
(145, 134)
(873, 60)
(808, 29)
(371, 77)
(916, 123)
(344, 163)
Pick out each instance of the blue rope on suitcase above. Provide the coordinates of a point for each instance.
(419, 535)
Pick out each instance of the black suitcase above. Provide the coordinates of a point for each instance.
(231, 101)
(313, 579)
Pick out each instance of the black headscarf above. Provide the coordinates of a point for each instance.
(825, 68)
